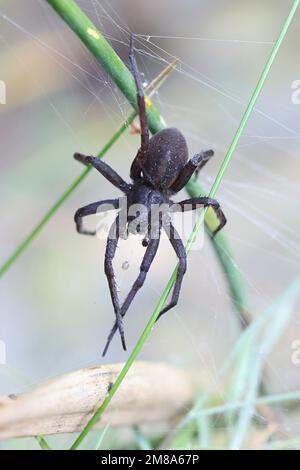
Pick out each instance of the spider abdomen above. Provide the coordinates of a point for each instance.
(166, 156)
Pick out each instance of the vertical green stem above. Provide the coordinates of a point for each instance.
(83, 27)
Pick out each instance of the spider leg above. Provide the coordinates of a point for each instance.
(148, 258)
(110, 252)
(105, 170)
(178, 246)
(193, 165)
(140, 97)
(141, 155)
(194, 202)
(93, 208)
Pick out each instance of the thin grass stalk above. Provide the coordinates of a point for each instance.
(43, 443)
(281, 311)
(276, 399)
(242, 351)
(225, 257)
(94, 40)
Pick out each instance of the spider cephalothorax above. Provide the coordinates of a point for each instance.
(160, 169)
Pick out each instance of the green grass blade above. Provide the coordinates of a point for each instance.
(254, 97)
(43, 443)
(239, 381)
(102, 436)
(285, 444)
(239, 353)
(213, 191)
(83, 27)
(22, 380)
(223, 252)
(263, 343)
(140, 439)
(276, 399)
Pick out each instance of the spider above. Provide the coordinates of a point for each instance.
(160, 169)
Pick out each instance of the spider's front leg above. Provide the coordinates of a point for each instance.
(179, 249)
(140, 97)
(193, 165)
(105, 170)
(194, 203)
(142, 153)
(93, 208)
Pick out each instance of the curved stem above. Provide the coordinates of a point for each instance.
(83, 27)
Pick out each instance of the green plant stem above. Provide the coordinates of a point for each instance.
(196, 228)
(83, 27)
(225, 257)
(285, 444)
(287, 397)
(43, 443)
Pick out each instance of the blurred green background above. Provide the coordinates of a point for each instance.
(55, 304)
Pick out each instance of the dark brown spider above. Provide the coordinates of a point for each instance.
(160, 169)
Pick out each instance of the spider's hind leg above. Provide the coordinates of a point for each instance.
(178, 247)
(148, 258)
(111, 247)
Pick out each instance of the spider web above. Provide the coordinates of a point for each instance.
(56, 310)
